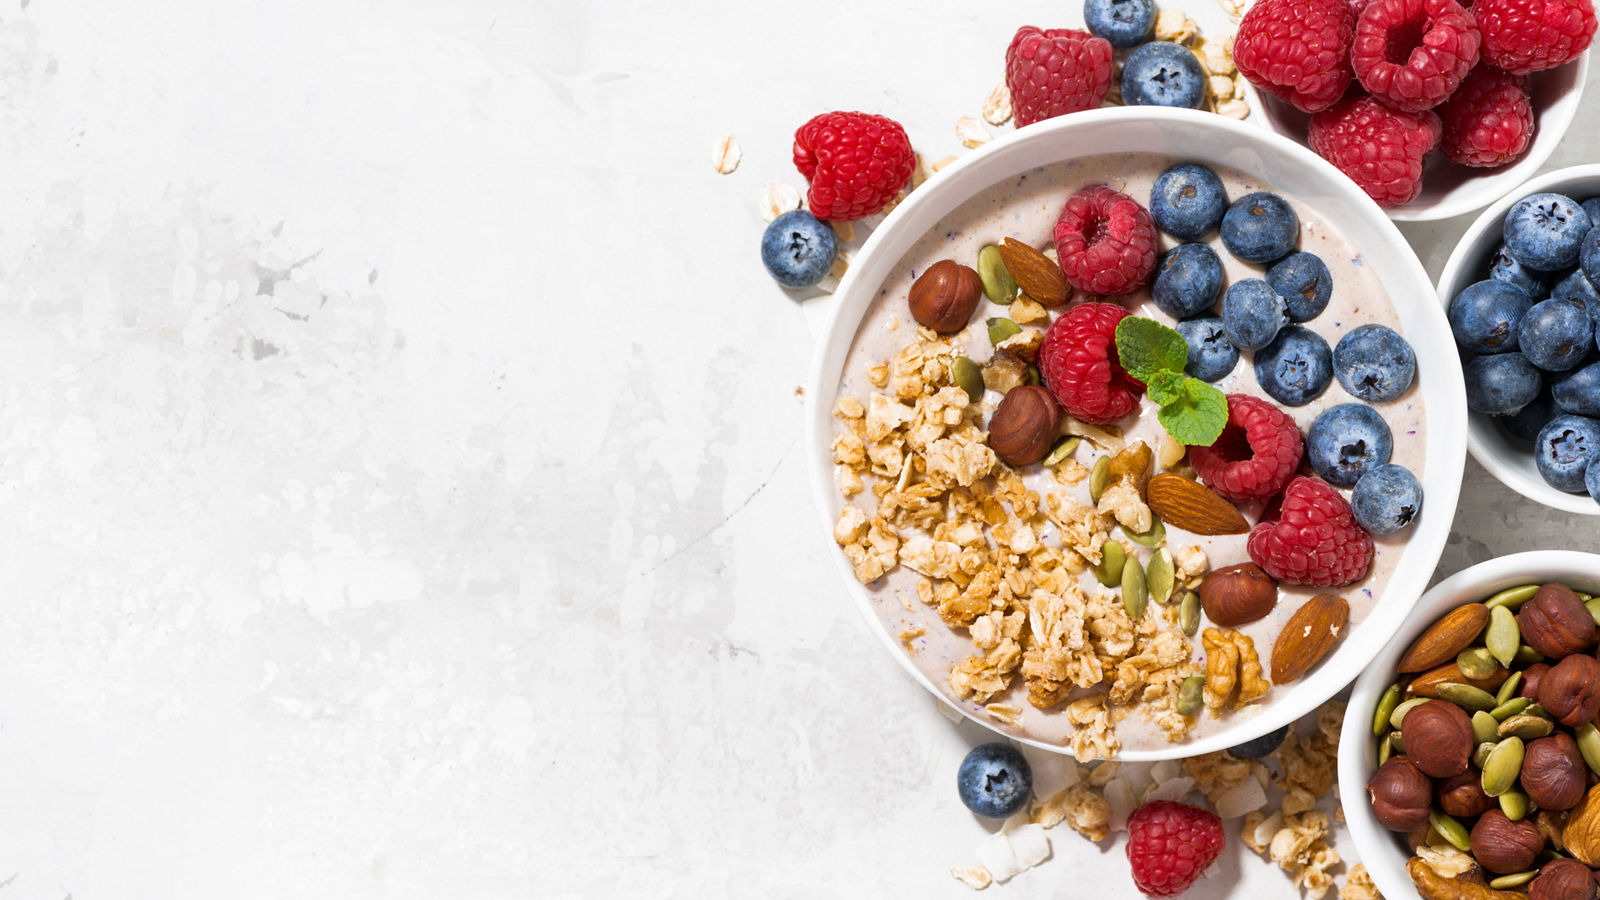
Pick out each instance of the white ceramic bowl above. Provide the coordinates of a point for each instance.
(1506, 459)
(1384, 851)
(1181, 134)
(1451, 190)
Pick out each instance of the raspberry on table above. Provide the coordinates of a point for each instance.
(1257, 452)
(1297, 50)
(1078, 362)
(1488, 121)
(1170, 845)
(1056, 71)
(1523, 36)
(1106, 242)
(1379, 148)
(856, 163)
(1411, 54)
(1314, 540)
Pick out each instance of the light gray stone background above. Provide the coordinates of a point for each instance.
(401, 487)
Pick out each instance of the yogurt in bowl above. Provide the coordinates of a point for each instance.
(1015, 188)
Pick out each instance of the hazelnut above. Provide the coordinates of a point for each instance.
(1555, 622)
(1401, 794)
(1238, 594)
(1532, 677)
(1024, 425)
(1562, 879)
(1570, 691)
(1462, 795)
(1439, 738)
(945, 296)
(1553, 771)
(1503, 846)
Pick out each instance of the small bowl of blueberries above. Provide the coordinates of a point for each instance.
(1524, 310)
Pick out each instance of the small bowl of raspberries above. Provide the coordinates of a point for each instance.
(1433, 107)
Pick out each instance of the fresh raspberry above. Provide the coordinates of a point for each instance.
(1297, 50)
(1381, 149)
(1523, 36)
(856, 163)
(1054, 72)
(1314, 538)
(1411, 54)
(1252, 459)
(1170, 844)
(1078, 360)
(1488, 121)
(1106, 242)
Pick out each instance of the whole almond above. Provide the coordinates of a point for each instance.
(1427, 684)
(1445, 638)
(1308, 636)
(945, 296)
(1193, 507)
(1024, 425)
(1035, 273)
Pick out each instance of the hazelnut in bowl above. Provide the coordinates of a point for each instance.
(1490, 776)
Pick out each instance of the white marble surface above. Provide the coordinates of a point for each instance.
(399, 459)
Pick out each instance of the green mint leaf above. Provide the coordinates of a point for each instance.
(1197, 416)
(1145, 347)
(1166, 387)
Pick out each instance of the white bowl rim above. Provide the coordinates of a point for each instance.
(1452, 281)
(1376, 846)
(1443, 481)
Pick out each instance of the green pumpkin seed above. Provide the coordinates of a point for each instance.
(1502, 766)
(1190, 694)
(1514, 804)
(1400, 711)
(1397, 742)
(1063, 448)
(1512, 597)
(1550, 854)
(1509, 688)
(1502, 638)
(1484, 727)
(1481, 754)
(1158, 575)
(1450, 830)
(998, 285)
(1385, 749)
(1515, 879)
(1476, 663)
(1135, 595)
(1527, 656)
(1594, 610)
(1386, 707)
(1588, 738)
(1466, 696)
(966, 374)
(1512, 707)
(1033, 375)
(1189, 613)
(1537, 710)
(1112, 558)
(1099, 477)
(1001, 328)
(1528, 728)
(1155, 537)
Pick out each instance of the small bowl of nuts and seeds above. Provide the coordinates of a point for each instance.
(1469, 763)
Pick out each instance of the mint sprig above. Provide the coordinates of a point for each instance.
(1193, 412)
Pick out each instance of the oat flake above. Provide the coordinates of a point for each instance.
(997, 106)
(972, 132)
(725, 153)
(777, 198)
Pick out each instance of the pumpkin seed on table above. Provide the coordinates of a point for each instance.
(1112, 558)
(1509, 689)
(1476, 663)
(1512, 597)
(998, 285)
(1503, 637)
(1510, 708)
(1152, 538)
(1515, 879)
(1062, 449)
(1189, 613)
(1502, 766)
(967, 376)
(1484, 727)
(1588, 738)
(1385, 749)
(1158, 575)
(1001, 328)
(1481, 754)
(1134, 593)
(1099, 477)
(1514, 804)
(1400, 711)
(1466, 696)
(1450, 829)
(1190, 695)
(1593, 606)
(1397, 742)
(1386, 707)
(1527, 727)
(1527, 656)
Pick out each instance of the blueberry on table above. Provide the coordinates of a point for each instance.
(1525, 423)
(1211, 355)
(1260, 228)
(1259, 747)
(1188, 280)
(1501, 384)
(1123, 23)
(1563, 450)
(1591, 480)
(1347, 440)
(1252, 313)
(1304, 282)
(995, 780)
(1296, 367)
(1188, 201)
(1162, 73)
(1504, 268)
(1555, 335)
(1577, 392)
(1589, 252)
(1545, 231)
(1576, 287)
(1386, 499)
(1374, 363)
(798, 249)
(1484, 316)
